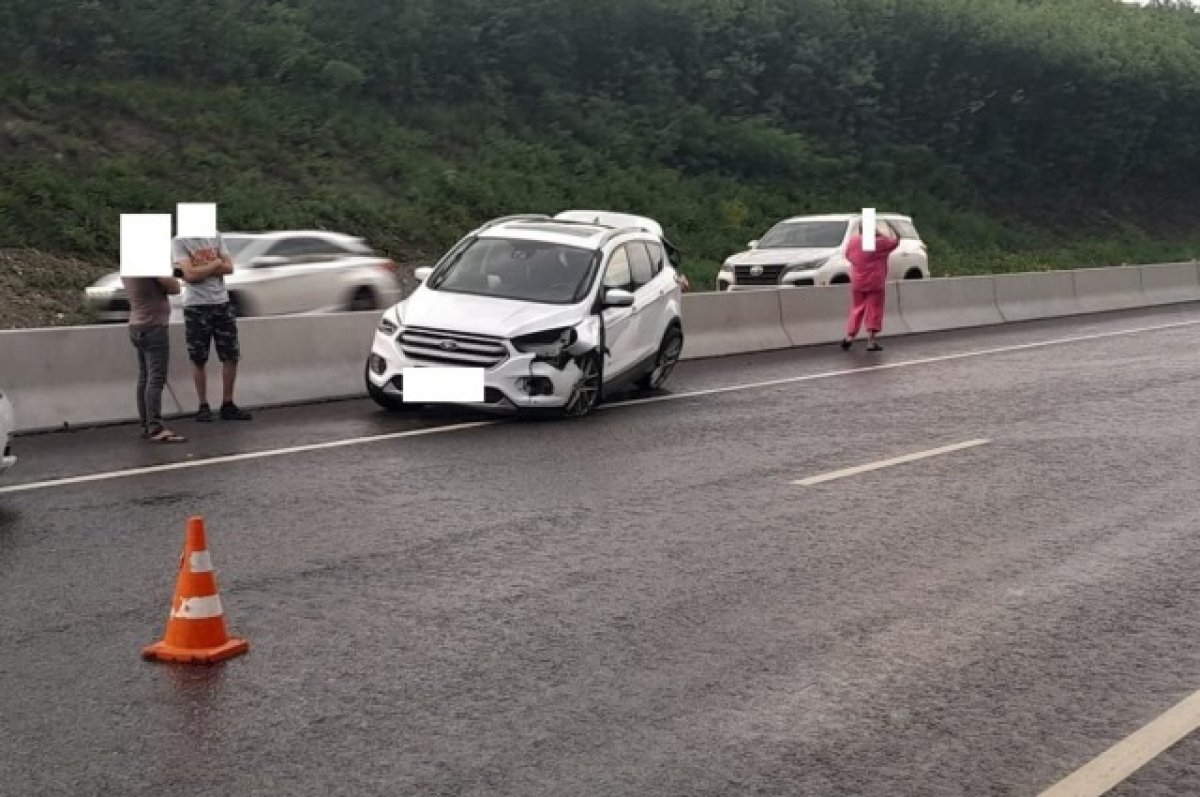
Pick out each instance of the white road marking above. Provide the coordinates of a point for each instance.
(887, 463)
(274, 452)
(1118, 762)
(792, 380)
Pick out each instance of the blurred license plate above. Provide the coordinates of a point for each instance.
(452, 385)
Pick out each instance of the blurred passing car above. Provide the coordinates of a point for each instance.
(279, 273)
(7, 426)
(811, 250)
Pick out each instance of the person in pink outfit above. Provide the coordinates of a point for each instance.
(868, 281)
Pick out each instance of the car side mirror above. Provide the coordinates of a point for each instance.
(423, 273)
(269, 261)
(753, 244)
(615, 297)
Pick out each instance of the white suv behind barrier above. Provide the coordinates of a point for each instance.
(557, 312)
(811, 250)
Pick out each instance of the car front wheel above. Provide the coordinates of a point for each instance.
(668, 357)
(586, 393)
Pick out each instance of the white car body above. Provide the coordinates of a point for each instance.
(618, 306)
(282, 273)
(8, 425)
(821, 260)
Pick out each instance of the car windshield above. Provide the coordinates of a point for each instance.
(523, 270)
(236, 244)
(804, 235)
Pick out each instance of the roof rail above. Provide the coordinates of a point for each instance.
(519, 217)
(617, 232)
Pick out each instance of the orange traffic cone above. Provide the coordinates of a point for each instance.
(196, 632)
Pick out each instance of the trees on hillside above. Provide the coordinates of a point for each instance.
(1029, 97)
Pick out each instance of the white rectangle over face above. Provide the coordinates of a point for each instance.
(145, 244)
(438, 385)
(196, 219)
(868, 229)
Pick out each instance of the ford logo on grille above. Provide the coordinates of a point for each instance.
(449, 345)
(756, 271)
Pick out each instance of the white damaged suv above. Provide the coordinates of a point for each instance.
(555, 313)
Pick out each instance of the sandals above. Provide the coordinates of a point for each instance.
(874, 347)
(165, 436)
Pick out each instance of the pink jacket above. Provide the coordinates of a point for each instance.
(869, 270)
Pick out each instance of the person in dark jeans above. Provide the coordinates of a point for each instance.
(149, 312)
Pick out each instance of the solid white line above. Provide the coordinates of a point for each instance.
(791, 380)
(275, 452)
(94, 477)
(1121, 760)
(887, 463)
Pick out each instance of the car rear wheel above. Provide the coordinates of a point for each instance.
(586, 393)
(914, 274)
(362, 300)
(840, 279)
(668, 357)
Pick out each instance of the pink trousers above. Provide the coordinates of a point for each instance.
(867, 305)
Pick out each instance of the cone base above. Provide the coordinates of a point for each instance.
(161, 651)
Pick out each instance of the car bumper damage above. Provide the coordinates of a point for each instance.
(523, 381)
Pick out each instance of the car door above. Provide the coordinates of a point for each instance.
(652, 293)
(910, 255)
(290, 285)
(620, 332)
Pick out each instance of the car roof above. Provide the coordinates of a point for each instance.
(274, 234)
(564, 231)
(845, 217)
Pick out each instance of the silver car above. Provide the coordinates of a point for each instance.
(7, 427)
(280, 273)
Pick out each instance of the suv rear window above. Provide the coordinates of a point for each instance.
(905, 228)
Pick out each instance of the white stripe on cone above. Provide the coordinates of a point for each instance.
(201, 562)
(199, 608)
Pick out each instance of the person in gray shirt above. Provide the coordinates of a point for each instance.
(149, 312)
(209, 319)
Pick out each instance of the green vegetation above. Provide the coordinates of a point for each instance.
(1021, 134)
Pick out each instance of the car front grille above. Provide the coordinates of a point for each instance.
(439, 347)
(770, 275)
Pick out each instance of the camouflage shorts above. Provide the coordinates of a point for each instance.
(208, 324)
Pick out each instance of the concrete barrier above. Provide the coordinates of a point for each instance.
(813, 316)
(1100, 290)
(953, 303)
(86, 375)
(1170, 283)
(717, 324)
(1028, 297)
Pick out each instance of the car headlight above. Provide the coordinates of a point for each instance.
(390, 323)
(807, 265)
(548, 344)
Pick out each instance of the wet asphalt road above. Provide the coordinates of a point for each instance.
(641, 603)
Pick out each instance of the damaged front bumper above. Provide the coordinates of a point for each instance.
(521, 382)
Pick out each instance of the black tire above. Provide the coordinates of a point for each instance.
(389, 403)
(840, 279)
(362, 300)
(914, 275)
(241, 309)
(668, 357)
(587, 392)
